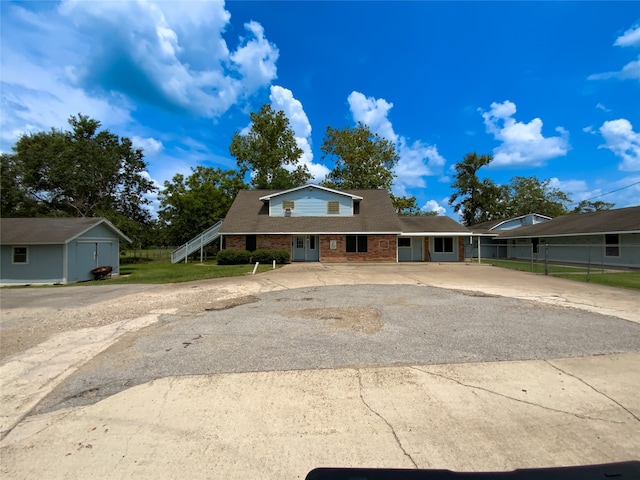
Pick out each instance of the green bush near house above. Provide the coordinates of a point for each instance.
(268, 256)
(233, 257)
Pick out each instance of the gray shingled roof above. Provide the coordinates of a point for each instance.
(486, 227)
(431, 224)
(32, 231)
(248, 214)
(621, 220)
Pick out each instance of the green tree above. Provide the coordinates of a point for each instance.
(361, 159)
(84, 172)
(188, 206)
(478, 200)
(585, 206)
(531, 195)
(408, 207)
(14, 199)
(267, 150)
(481, 200)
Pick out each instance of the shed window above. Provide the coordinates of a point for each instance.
(20, 255)
(404, 242)
(333, 207)
(443, 245)
(357, 244)
(612, 247)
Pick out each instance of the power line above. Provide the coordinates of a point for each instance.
(603, 194)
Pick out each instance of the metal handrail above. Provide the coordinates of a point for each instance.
(200, 241)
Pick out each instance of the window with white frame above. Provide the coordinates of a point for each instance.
(20, 255)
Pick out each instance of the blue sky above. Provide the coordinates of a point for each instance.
(551, 89)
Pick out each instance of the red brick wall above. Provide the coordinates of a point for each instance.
(381, 248)
(234, 242)
(268, 242)
(274, 242)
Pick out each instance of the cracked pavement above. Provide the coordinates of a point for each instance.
(323, 365)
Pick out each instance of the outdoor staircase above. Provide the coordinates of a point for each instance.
(196, 243)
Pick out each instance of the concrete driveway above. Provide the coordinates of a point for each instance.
(319, 365)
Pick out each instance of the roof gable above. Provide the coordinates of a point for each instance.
(277, 193)
(509, 223)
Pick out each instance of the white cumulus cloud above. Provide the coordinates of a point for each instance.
(631, 71)
(623, 142)
(434, 206)
(150, 146)
(630, 38)
(417, 159)
(282, 99)
(522, 143)
(105, 58)
(256, 58)
(374, 113)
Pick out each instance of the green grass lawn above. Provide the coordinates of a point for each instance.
(613, 279)
(537, 267)
(617, 279)
(167, 272)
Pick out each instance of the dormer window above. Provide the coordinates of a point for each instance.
(333, 207)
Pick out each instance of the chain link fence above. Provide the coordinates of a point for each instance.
(581, 257)
(145, 254)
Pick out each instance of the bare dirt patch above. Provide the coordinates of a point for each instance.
(344, 319)
(231, 303)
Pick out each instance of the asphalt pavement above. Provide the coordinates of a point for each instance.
(457, 366)
(348, 326)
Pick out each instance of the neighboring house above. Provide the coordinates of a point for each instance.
(608, 238)
(316, 223)
(486, 237)
(57, 250)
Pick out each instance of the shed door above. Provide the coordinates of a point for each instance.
(88, 254)
(92, 255)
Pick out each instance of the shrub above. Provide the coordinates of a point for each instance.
(233, 257)
(268, 256)
(281, 256)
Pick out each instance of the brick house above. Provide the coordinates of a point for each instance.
(316, 223)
